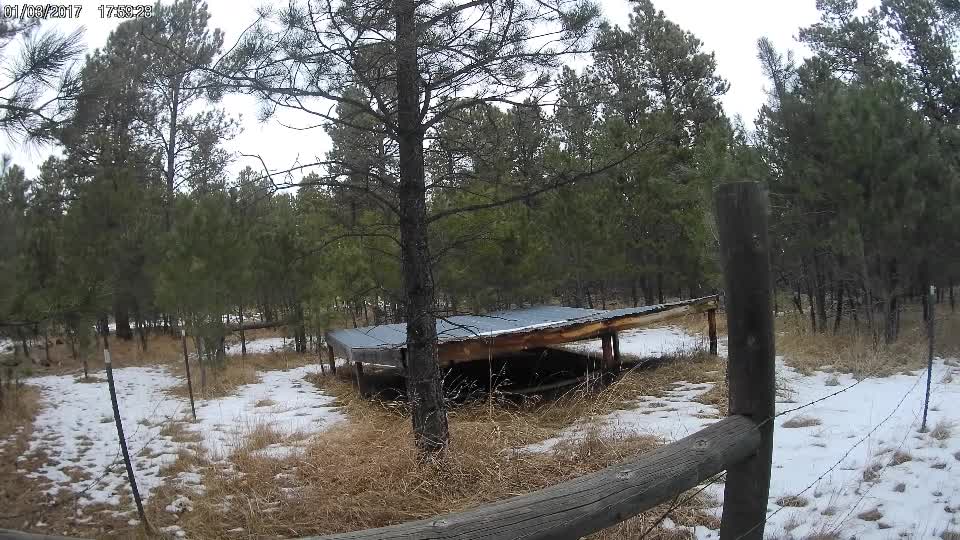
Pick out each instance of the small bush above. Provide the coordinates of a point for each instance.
(793, 501)
(802, 422)
(900, 458)
(941, 431)
(872, 472)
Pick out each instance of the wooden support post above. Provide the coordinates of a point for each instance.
(186, 365)
(331, 360)
(607, 365)
(617, 361)
(741, 210)
(358, 372)
(712, 330)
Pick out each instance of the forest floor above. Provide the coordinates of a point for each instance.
(280, 449)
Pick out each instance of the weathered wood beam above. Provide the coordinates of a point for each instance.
(6, 534)
(482, 347)
(589, 503)
(742, 225)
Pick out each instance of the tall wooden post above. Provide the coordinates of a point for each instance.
(186, 365)
(358, 372)
(712, 330)
(741, 210)
(606, 368)
(930, 328)
(617, 361)
(331, 360)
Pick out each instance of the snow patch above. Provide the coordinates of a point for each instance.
(262, 346)
(647, 343)
(76, 430)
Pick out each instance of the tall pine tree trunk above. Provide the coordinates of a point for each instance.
(423, 371)
(122, 317)
(836, 322)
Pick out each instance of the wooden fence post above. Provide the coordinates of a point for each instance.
(186, 365)
(741, 212)
(332, 360)
(606, 366)
(617, 360)
(712, 330)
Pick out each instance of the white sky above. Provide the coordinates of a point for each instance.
(729, 28)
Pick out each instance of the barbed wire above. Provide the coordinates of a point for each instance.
(842, 458)
(678, 503)
(716, 478)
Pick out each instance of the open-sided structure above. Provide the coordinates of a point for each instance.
(466, 338)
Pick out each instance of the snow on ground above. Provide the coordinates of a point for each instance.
(869, 477)
(912, 479)
(262, 346)
(75, 428)
(647, 343)
(6, 346)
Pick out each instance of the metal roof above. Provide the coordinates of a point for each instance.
(392, 337)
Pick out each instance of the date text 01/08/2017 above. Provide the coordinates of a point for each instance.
(32, 12)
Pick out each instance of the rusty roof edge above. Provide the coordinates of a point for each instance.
(344, 347)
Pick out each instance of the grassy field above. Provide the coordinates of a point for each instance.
(364, 473)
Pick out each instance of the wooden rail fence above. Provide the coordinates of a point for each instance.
(741, 444)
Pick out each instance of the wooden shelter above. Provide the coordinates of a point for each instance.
(466, 338)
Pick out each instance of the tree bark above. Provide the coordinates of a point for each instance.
(836, 322)
(423, 373)
(171, 152)
(122, 318)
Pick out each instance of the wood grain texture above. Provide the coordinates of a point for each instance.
(592, 502)
(745, 257)
(6, 534)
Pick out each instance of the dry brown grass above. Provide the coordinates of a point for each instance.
(235, 371)
(870, 515)
(365, 473)
(942, 430)
(18, 407)
(854, 350)
(802, 422)
(900, 457)
(793, 501)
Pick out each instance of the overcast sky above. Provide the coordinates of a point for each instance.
(728, 28)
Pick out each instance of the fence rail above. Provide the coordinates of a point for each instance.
(740, 444)
(592, 502)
